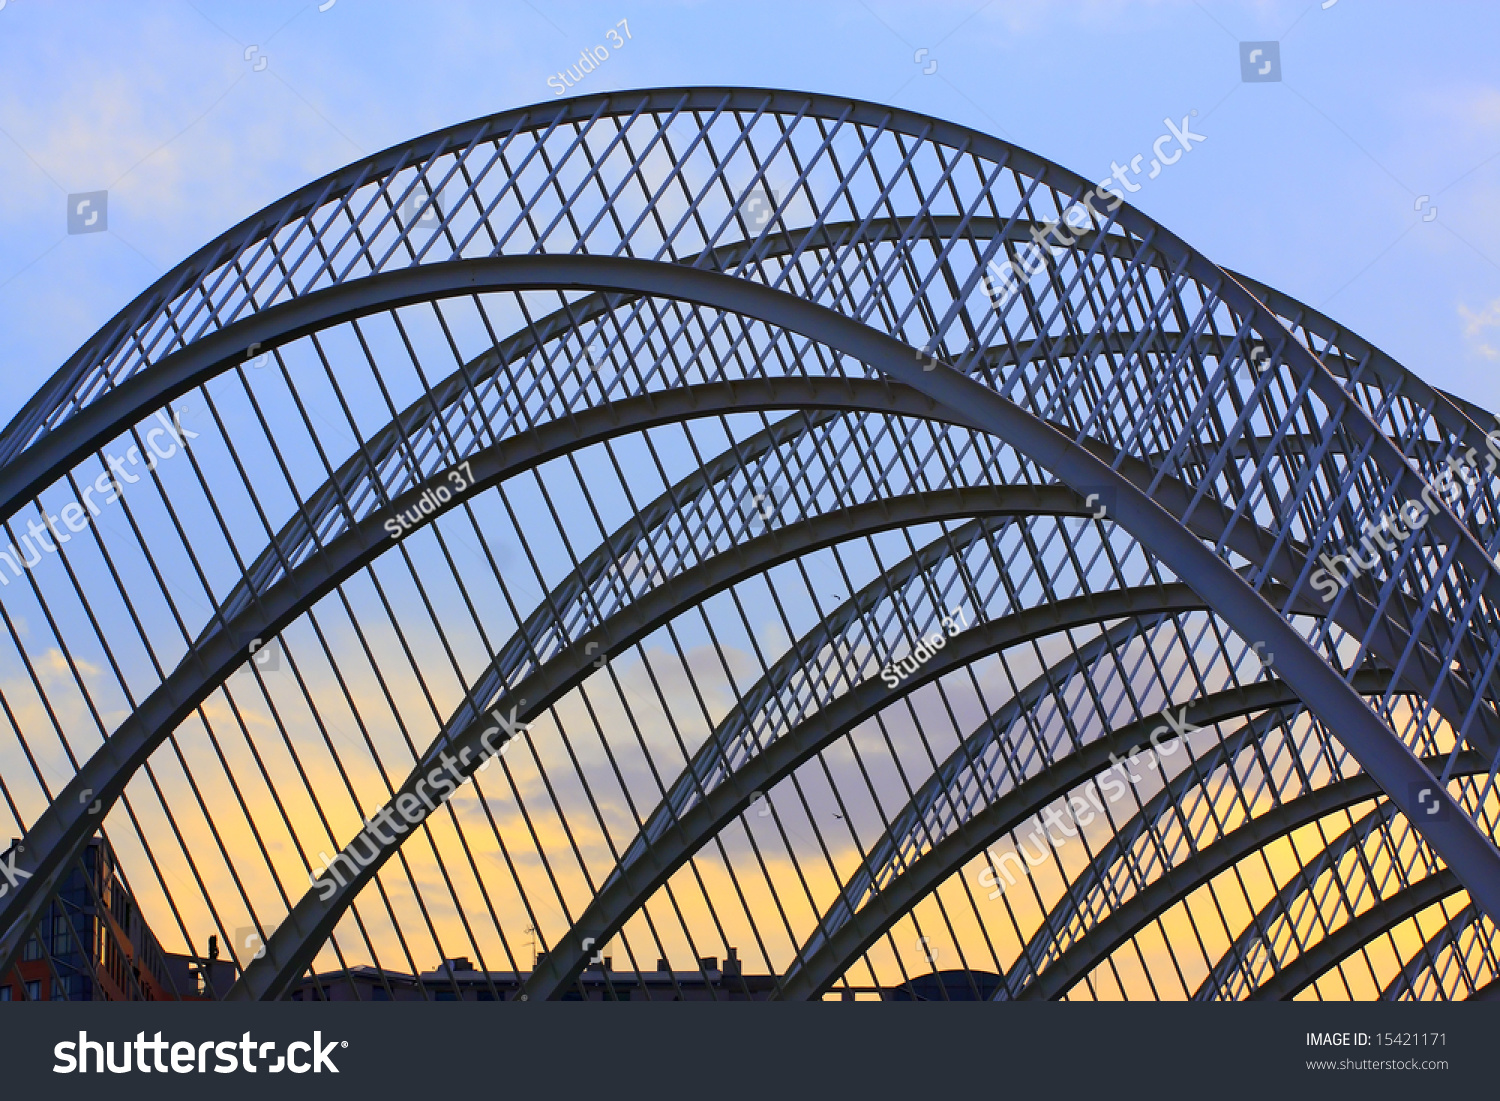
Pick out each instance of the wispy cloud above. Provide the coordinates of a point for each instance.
(1477, 323)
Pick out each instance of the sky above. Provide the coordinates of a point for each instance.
(1363, 182)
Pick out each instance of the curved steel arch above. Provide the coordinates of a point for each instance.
(714, 759)
(593, 107)
(136, 320)
(839, 944)
(1232, 976)
(289, 950)
(60, 834)
(106, 418)
(61, 391)
(1236, 975)
(509, 664)
(309, 313)
(1039, 506)
(1426, 960)
(126, 372)
(398, 293)
(324, 503)
(925, 129)
(1390, 912)
(562, 952)
(1095, 945)
(1237, 961)
(565, 960)
(713, 810)
(1073, 914)
(297, 534)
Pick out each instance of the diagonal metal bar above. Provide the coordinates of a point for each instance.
(1089, 951)
(1352, 936)
(838, 943)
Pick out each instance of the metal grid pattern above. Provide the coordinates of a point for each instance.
(726, 422)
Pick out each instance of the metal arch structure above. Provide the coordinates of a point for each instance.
(637, 379)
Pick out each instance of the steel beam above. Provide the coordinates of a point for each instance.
(1237, 961)
(53, 841)
(1178, 883)
(1369, 740)
(631, 885)
(1428, 953)
(836, 947)
(1385, 915)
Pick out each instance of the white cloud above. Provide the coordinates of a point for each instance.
(1477, 323)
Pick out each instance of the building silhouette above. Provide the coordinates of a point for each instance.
(93, 944)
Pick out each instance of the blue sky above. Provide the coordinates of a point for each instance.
(1322, 184)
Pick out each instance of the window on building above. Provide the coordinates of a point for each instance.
(5, 993)
(62, 935)
(34, 990)
(121, 906)
(33, 949)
